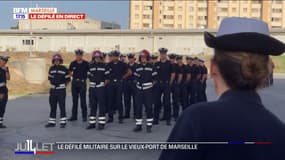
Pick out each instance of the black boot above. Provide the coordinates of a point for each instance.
(101, 126)
(62, 125)
(91, 126)
(148, 129)
(49, 125)
(72, 119)
(2, 126)
(84, 119)
(138, 128)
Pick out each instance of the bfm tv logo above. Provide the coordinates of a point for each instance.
(36, 149)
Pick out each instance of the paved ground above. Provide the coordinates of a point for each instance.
(26, 116)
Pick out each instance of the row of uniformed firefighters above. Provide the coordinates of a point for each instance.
(149, 83)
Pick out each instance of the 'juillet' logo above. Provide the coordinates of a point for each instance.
(34, 148)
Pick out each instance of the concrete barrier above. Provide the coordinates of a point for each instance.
(35, 70)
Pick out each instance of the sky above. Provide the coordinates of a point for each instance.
(111, 11)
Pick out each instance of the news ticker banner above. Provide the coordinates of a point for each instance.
(45, 14)
(30, 147)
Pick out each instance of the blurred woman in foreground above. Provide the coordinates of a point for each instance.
(239, 67)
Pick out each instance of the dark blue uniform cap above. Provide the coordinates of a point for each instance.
(131, 55)
(79, 52)
(172, 56)
(122, 55)
(4, 57)
(163, 50)
(179, 57)
(115, 53)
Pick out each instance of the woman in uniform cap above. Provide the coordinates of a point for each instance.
(239, 67)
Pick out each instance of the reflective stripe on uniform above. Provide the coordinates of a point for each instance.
(102, 122)
(61, 72)
(149, 119)
(51, 120)
(154, 73)
(63, 119)
(149, 124)
(144, 88)
(92, 121)
(138, 121)
(2, 84)
(97, 85)
(102, 118)
(92, 117)
(1, 120)
(61, 86)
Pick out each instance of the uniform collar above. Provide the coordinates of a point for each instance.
(250, 96)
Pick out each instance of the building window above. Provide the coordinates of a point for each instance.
(255, 10)
(28, 42)
(146, 25)
(179, 17)
(202, 18)
(275, 19)
(277, 1)
(201, 9)
(222, 1)
(179, 25)
(147, 7)
(244, 9)
(234, 9)
(256, 1)
(191, 18)
(223, 9)
(168, 17)
(170, 8)
(276, 10)
(147, 16)
(191, 9)
(180, 8)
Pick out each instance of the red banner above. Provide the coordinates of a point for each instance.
(57, 16)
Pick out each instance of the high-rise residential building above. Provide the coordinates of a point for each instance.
(187, 14)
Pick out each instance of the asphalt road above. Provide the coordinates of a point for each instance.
(26, 117)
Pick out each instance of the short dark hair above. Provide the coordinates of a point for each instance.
(242, 70)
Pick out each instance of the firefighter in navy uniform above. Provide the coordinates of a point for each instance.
(203, 79)
(97, 75)
(195, 82)
(59, 77)
(145, 74)
(79, 69)
(119, 71)
(129, 95)
(183, 85)
(4, 76)
(165, 79)
(175, 87)
(189, 64)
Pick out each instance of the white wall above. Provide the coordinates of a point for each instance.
(178, 43)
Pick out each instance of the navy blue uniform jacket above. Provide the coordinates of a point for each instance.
(236, 116)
